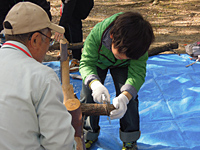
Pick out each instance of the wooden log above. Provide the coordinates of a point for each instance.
(71, 46)
(93, 109)
(152, 51)
(163, 48)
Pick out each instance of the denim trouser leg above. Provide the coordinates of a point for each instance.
(91, 123)
(129, 123)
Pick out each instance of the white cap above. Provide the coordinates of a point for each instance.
(26, 17)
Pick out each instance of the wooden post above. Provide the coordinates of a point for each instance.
(71, 103)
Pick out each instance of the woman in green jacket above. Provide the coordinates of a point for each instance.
(120, 44)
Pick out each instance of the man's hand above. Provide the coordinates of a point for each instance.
(97, 90)
(58, 36)
(120, 103)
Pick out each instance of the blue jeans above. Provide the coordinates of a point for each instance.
(129, 123)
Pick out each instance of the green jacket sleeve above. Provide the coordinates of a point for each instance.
(137, 72)
(136, 75)
(90, 54)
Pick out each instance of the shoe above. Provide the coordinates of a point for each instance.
(129, 146)
(88, 143)
(74, 66)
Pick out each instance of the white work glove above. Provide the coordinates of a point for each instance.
(98, 89)
(120, 103)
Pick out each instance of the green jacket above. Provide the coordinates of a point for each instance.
(97, 52)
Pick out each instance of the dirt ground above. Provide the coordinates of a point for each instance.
(172, 20)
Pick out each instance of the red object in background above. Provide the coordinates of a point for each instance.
(61, 9)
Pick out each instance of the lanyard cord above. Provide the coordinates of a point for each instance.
(18, 48)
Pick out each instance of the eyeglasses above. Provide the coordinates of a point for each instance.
(52, 41)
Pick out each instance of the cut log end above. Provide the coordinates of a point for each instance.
(72, 104)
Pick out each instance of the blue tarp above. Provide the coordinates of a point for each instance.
(169, 106)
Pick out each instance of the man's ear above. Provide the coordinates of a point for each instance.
(34, 44)
(35, 40)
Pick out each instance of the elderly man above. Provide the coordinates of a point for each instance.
(32, 115)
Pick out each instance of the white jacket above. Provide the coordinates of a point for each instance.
(32, 115)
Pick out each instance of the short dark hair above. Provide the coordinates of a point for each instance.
(23, 37)
(132, 35)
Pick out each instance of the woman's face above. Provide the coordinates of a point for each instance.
(117, 54)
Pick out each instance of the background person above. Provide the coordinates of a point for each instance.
(74, 11)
